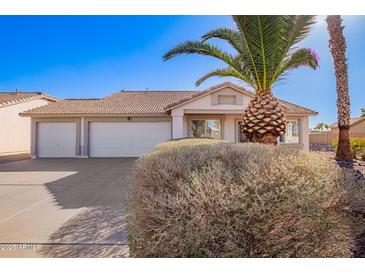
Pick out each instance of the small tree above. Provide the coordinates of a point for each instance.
(321, 126)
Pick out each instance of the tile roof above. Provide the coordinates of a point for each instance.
(292, 108)
(124, 102)
(139, 102)
(11, 98)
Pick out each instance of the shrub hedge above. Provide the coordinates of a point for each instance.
(248, 200)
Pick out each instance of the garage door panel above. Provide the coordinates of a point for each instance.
(56, 139)
(126, 139)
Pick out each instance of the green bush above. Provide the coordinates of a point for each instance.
(246, 200)
(357, 146)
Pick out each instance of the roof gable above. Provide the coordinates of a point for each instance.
(206, 92)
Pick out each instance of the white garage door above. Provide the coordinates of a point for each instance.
(56, 139)
(126, 139)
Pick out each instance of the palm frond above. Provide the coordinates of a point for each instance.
(232, 36)
(225, 72)
(249, 31)
(203, 48)
(265, 48)
(295, 29)
(261, 35)
(300, 58)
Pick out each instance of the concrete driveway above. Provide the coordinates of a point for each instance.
(64, 207)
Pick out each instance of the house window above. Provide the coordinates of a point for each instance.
(226, 99)
(205, 128)
(291, 135)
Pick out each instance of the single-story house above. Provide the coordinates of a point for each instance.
(15, 130)
(131, 123)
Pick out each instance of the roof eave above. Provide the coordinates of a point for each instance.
(60, 115)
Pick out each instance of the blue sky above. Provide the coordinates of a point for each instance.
(94, 56)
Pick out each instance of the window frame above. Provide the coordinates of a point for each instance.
(299, 122)
(190, 121)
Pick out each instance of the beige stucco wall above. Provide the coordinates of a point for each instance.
(324, 138)
(230, 127)
(15, 130)
(358, 129)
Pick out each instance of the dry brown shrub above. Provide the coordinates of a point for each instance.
(247, 200)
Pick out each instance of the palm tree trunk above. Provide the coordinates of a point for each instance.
(337, 46)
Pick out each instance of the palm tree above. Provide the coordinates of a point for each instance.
(263, 52)
(362, 112)
(321, 126)
(337, 45)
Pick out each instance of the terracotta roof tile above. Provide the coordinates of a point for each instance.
(125, 102)
(139, 102)
(11, 98)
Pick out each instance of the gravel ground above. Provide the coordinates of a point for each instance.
(357, 165)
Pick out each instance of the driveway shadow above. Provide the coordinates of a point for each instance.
(98, 187)
(96, 232)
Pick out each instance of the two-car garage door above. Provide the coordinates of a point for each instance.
(126, 139)
(106, 139)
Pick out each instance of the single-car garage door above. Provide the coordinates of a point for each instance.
(126, 139)
(56, 139)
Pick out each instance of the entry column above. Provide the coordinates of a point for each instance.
(83, 138)
(177, 125)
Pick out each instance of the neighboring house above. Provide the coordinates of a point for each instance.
(15, 130)
(357, 129)
(131, 123)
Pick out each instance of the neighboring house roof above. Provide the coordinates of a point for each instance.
(353, 121)
(12, 98)
(142, 102)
